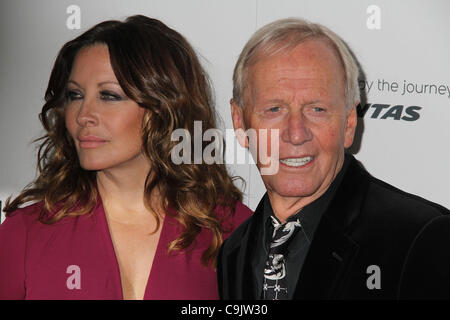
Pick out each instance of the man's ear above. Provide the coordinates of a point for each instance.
(350, 126)
(237, 115)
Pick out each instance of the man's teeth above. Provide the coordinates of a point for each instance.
(296, 162)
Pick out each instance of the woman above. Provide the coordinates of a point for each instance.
(112, 216)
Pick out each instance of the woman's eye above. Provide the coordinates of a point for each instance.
(73, 95)
(110, 96)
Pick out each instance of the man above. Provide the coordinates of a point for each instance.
(325, 229)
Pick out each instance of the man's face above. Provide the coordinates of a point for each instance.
(301, 93)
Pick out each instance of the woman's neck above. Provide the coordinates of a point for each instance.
(122, 191)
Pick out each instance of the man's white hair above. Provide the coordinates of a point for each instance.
(283, 35)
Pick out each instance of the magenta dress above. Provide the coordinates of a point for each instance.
(74, 258)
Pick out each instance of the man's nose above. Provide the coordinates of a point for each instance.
(296, 130)
(88, 114)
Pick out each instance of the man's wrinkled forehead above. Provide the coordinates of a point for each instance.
(290, 70)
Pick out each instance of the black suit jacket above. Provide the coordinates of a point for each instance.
(367, 223)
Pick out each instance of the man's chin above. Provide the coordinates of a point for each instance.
(294, 191)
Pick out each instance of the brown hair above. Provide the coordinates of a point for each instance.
(158, 69)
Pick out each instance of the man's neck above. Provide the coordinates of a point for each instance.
(284, 207)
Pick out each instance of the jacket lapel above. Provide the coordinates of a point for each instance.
(332, 250)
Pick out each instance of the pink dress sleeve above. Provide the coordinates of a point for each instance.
(12, 257)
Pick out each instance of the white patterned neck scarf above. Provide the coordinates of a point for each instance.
(275, 286)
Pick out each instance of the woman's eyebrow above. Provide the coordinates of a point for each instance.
(99, 84)
(108, 82)
(74, 82)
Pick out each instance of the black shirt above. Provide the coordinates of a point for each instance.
(309, 217)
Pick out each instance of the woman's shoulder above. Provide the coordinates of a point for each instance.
(30, 209)
(24, 215)
(231, 220)
(32, 217)
(242, 212)
(14, 230)
(19, 223)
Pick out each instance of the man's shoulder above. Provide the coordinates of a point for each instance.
(380, 208)
(383, 196)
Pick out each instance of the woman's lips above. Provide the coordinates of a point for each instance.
(90, 142)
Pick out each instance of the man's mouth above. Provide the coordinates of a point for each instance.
(297, 162)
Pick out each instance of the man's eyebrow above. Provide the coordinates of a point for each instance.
(275, 101)
(313, 102)
(281, 101)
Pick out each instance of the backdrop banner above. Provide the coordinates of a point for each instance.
(402, 46)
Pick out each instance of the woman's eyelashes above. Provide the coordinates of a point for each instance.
(110, 96)
(72, 95)
(104, 95)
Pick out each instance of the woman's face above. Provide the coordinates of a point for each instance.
(104, 123)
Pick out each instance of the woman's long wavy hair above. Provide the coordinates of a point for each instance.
(158, 69)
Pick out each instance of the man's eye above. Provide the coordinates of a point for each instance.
(73, 95)
(318, 109)
(273, 109)
(110, 96)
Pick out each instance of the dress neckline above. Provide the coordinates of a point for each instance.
(159, 253)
